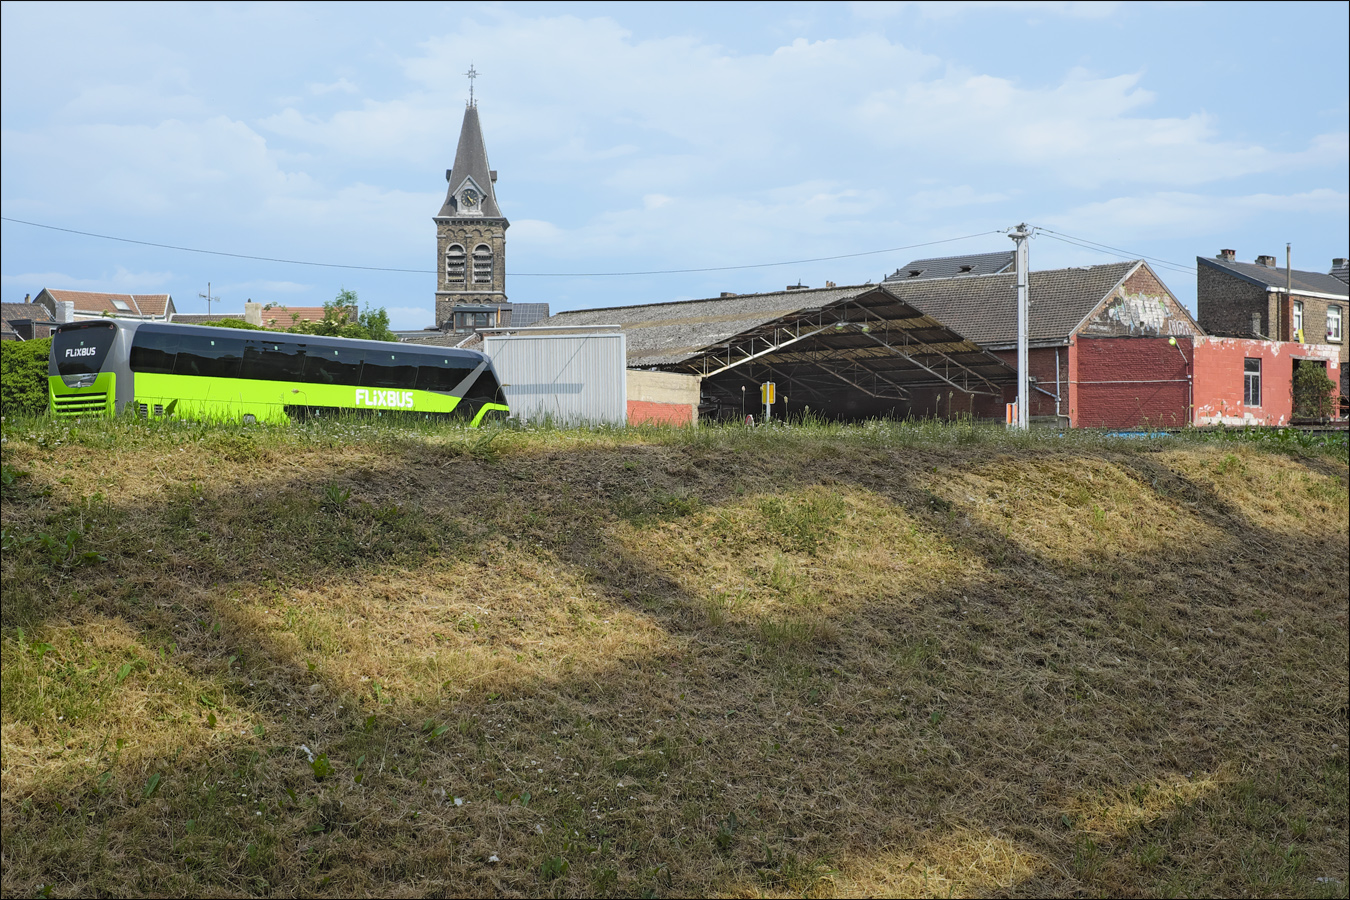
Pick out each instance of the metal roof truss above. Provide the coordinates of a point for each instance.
(874, 343)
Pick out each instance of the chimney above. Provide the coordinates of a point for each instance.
(1267, 261)
(1228, 255)
(797, 287)
(253, 312)
(26, 296)
(65, 311)
(728, 294)
(830, 284)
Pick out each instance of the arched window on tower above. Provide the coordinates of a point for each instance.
(482, 264)
(454, 264)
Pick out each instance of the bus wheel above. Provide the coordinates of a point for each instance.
(250, 419)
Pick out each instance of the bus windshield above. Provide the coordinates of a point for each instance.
(80, 349)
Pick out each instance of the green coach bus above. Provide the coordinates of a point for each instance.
(159, 369)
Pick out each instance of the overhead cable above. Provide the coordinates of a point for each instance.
(301, 262)
(1115, 251)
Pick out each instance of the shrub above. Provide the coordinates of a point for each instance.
(23, 376)
(1312, 391)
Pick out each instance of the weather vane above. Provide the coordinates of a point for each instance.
(472, 73)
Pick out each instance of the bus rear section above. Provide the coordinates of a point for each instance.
(83, 369)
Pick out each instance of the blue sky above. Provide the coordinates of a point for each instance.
(643, 137)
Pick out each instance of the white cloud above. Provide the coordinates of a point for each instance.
(342, 85)
(119, 280)
(1176, 214)
(949, 9)
(947, 198)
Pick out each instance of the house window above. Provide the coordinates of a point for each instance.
(1256, 323)
(1251, 376)
(1333, 323)
(454, 264)
(1298, 321)
(482, 264)
(471, 321)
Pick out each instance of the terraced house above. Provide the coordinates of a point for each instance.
(1261, 300)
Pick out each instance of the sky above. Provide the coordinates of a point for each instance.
(760, 144)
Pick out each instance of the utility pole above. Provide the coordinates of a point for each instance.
(207, 295)
(1289, 288)
(1020, 235)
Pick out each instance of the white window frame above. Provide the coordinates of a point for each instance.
(1251, 382)
(1298, 319)
(1335, 323)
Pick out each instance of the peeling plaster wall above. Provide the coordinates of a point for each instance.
(1219, 379)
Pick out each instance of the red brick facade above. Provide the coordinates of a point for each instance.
(645, 412)
(1130, 382)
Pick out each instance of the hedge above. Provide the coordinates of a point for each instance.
(23, 376)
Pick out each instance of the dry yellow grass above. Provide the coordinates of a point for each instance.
(807, 662)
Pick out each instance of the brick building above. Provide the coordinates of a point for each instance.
(1263, 301)
(25, 321)
(1092, 357)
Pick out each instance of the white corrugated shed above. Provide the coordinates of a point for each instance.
(570, 379)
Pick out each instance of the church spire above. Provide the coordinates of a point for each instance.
(470, 192)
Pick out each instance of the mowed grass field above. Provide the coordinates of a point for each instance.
(354, 660)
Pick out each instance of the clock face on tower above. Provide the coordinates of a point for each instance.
(470, 199)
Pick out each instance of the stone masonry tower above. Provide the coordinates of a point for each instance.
(470, 229)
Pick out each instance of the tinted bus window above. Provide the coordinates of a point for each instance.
(333, 365)
(273, 361)
(210, 357)
(81, 350)
(485, 389)
(153, 351)
(440, 374)
(389, 370)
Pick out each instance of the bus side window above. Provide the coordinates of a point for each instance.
(273, 361)
(153, 352)
(333, 365)
(210, 357)
(441, 374)
(386, 369)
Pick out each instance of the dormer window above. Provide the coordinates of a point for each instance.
(915, 273)
(482, 264)
(965, 269)
(454, 264)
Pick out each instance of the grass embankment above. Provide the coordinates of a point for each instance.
(878, 660)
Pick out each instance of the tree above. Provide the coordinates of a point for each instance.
(339, 321)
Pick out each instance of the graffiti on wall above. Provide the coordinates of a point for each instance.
(1129, 314)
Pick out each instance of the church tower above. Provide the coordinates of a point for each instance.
(470, 229)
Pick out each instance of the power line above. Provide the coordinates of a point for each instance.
(301, 262)
(1116, 251)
